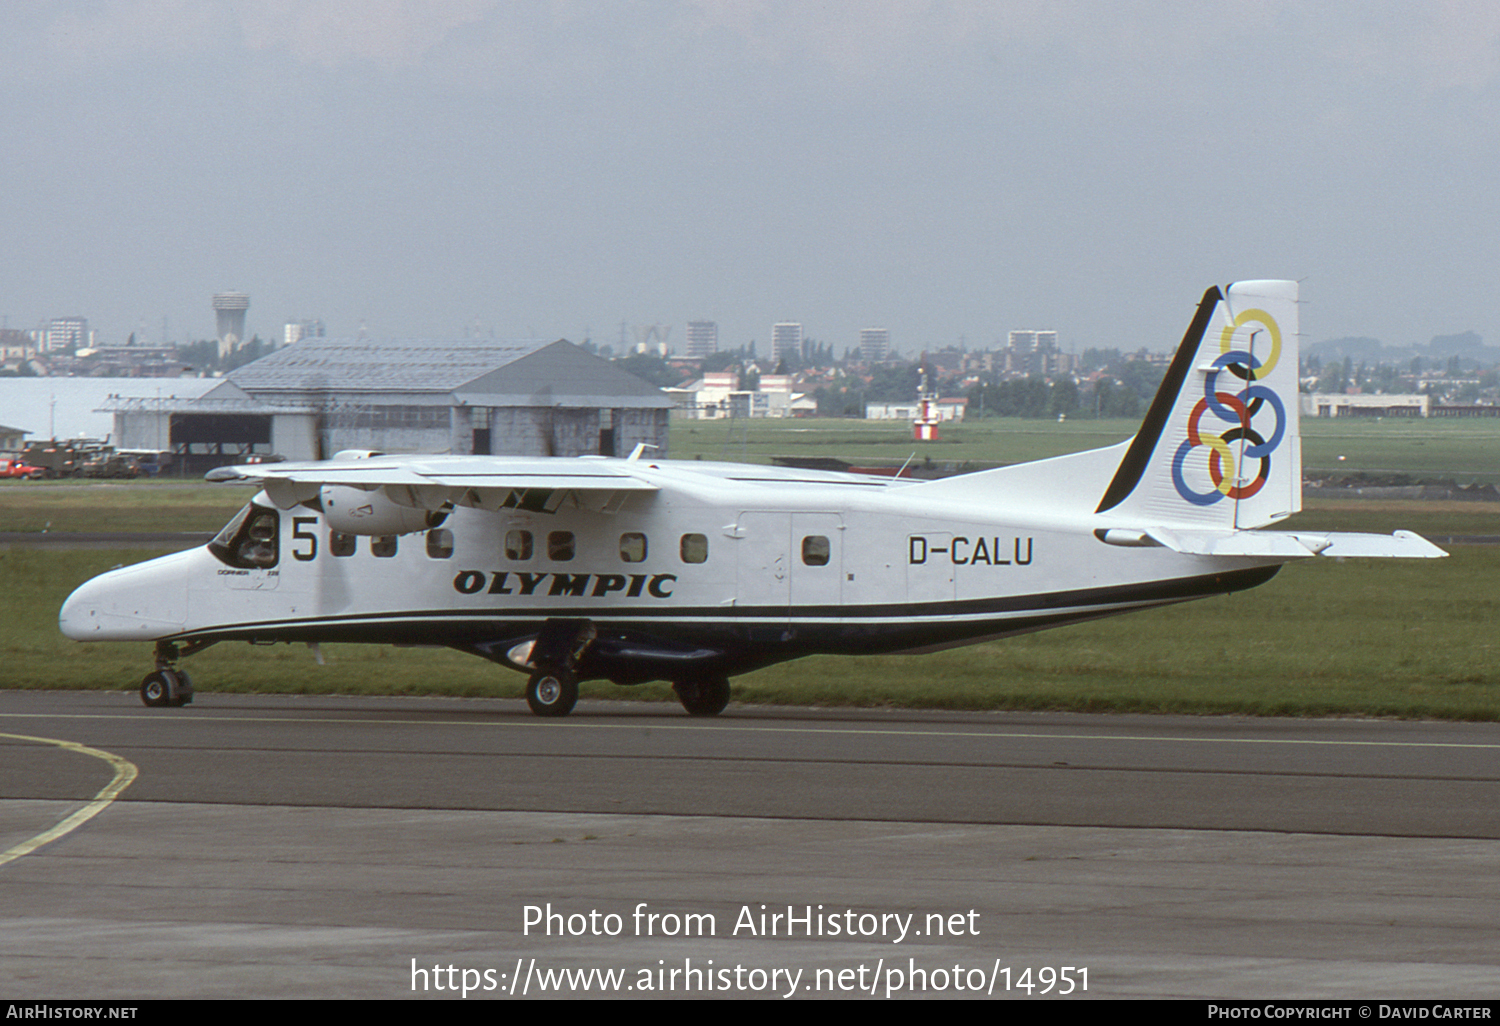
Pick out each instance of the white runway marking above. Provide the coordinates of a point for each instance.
(730, 725)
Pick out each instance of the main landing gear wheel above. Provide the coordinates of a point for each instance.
(703, 697)
(552, 693)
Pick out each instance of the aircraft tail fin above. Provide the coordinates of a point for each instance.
(1220, 447)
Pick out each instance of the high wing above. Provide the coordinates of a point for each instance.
(432, 483)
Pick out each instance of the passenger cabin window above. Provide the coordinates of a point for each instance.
(250, 540)
(815, 550)
(560, 546)
(633, 547)
(440, 543)
(341, 544)
(694, 548)
(518, 545)
(383, 546)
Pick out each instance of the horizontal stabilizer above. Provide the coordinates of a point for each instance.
(1277, 544)
(1261, 544)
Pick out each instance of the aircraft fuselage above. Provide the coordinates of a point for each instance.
(726, 569)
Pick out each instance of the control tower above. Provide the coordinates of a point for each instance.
(230, 308)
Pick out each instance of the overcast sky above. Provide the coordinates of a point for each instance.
(551, 168)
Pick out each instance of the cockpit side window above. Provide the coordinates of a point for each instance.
(251, 541)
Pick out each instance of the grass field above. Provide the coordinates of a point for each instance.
(1463, 450)
(1386, 638)
(129, 506)
(1466, 451)
(980, 443)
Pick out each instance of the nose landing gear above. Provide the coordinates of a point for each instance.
(166, 685)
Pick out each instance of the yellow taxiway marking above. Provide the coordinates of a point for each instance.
(125, 773)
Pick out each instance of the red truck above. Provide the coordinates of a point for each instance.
(18, 468)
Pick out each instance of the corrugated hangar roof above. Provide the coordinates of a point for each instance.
(523, 372)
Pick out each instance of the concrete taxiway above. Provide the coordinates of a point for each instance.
(323, 847)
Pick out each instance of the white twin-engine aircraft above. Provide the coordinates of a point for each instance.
(630, 570)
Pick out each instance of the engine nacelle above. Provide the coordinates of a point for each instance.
(350, 510)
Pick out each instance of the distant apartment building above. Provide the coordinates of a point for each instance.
(1033, 341)
(702, 338)
(296, 331)
(786, 340)
(1035, 352)
(68, 334)
(874, 344)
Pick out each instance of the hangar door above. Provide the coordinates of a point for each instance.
(202, 441)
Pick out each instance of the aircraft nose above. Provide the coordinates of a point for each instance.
(131, 603)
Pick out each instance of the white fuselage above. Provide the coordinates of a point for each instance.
(760, 564)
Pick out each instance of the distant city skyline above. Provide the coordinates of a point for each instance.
(701, 338)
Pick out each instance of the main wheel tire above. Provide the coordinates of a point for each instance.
(552, 693)
(157, 688)
(703, 697)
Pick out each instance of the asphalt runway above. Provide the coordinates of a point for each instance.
(278, 846)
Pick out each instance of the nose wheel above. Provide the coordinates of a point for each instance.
(166, 687)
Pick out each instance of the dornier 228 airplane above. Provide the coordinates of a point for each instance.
(630, 570)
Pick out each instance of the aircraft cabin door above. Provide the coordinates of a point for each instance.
(763, 568)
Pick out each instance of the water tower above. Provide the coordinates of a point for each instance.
(230, 308)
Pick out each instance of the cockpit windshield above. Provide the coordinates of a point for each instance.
(250, 540)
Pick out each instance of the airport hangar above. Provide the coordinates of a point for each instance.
(320, 396)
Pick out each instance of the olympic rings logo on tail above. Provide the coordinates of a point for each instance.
(1238, 410)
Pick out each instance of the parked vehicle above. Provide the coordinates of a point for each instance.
(56, 459)
(10, 468)
(107, 463)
